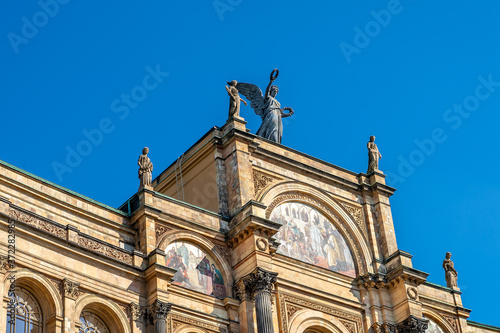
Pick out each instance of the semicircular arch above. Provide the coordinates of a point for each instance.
(206, 245)
(108, 311)
(332, 208)
(42, 289)
(308, 319)
(438, 319)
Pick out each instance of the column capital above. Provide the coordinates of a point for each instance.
(259, 280)
(160, 309)
(413, 324)
(71, 289)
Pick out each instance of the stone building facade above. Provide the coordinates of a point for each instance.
(239, 235)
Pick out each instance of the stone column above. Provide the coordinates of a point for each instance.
(159, 312)
(71, 293)
(259, 285)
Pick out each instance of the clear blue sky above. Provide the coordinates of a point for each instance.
(425, 81)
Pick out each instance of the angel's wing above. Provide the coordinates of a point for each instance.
(253, 94)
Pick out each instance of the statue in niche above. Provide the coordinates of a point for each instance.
(373, 155)
(267, 107)
(234, 99)
(450, 272)
(145, 168)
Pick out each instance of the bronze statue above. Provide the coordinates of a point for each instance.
(234, 100)
(145, 168)
(267, 107)
(373, 155)
(450, 272)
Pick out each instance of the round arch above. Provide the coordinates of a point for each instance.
(189, 329)
(438, 319)
(42, 289)
(108, 311)
(315, 320)
(332, 208)
(206, 245)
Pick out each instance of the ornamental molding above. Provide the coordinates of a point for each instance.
(88, 243)
(224, 252)
(331, 214)
(261, 180)
(38, 223)
(289, 304)
(178, 320)
(160, 230)
(357, 215)
(452, 321)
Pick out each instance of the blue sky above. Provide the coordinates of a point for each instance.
(423, 76)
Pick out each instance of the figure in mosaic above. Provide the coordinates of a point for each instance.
(267, 107)
(145, 168)
(234, 99)
(373, 155)
(450, 272)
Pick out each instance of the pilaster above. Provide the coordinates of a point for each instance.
(70, 294)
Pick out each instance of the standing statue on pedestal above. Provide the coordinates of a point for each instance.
(145, 168)
(234, 100)
(450, 272)
(373, 155)
(267, 107)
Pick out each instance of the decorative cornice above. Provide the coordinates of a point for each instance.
(331, 213)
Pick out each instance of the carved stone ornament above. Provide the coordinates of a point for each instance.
(71, 289)
(5, 264)
(106, 250)
(160, 230)
(160, 309)
(412, 293)
(261, 180)
(179, 320)
(261, 244)
(38, 223)
(135, 311)
(413, 324)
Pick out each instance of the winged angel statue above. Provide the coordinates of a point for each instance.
(267, 107)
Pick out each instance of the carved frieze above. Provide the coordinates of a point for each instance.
(180, 320)
(38, 223)
(332, 214)
(352, 322)
(101, 248)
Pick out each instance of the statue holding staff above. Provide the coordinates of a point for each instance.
(267, 107)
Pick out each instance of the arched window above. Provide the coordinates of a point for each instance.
(309, 236)
(28, 317)
(91, 323)
(196, 270)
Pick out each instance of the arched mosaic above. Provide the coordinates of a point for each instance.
(433, 327)
(196, 270)
(309, 236)
(91, 323)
